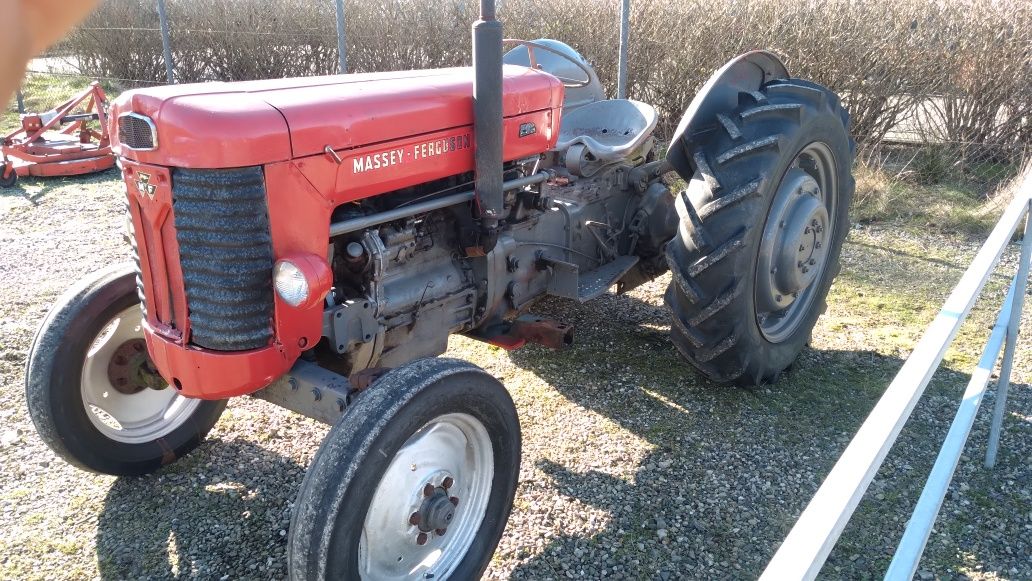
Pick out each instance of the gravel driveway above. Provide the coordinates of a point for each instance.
(632, 466)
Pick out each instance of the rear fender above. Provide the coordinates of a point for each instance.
(746, 72)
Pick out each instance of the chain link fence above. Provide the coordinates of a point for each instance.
(938, 89)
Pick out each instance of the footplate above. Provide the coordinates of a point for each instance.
(594, 283)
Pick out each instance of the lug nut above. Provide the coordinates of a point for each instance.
(806, 269)
(414, 519)
(454, 500)
(816, 244)
(813, 222)
(440, 532)
(428, 490)
(421, 539)
(813, 261)
(447, 483)
(777, 298)
(802, 247)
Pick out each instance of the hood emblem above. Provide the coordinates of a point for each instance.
(144, 184)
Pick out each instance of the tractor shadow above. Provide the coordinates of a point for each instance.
(728, 470)
(218, 511)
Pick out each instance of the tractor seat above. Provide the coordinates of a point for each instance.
(610, 130)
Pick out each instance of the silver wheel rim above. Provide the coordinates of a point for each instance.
(134, 418)
(450, 456)
(797, 238)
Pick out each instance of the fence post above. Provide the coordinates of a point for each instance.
(166, 47)
(21, 101)
(625, 29)
(342, 47)
(1012, 338)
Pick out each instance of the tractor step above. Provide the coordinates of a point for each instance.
(596, 282)
(568, 282)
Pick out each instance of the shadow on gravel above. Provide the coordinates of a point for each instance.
(730, 469)
(223, 509)
(33, 189)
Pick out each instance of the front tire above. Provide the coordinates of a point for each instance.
(416, 480)
(762, 224)
(91, 392)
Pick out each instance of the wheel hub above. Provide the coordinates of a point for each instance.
(416, 523)
(436, 511)
(130, 370)
(794, 242)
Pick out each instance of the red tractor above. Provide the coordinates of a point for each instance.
(313, 242)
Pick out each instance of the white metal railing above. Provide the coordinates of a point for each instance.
(807, 545)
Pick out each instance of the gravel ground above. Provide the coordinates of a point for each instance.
(632, 466)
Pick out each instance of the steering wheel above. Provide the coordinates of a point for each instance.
(568, 83)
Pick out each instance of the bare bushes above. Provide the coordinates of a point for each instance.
(955, 73)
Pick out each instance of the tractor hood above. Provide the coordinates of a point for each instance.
(221, 125)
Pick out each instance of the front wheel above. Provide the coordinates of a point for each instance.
(8, 177)
(415, 481)
(762, 224)
(92, 393)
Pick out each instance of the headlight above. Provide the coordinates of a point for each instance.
(290, 283)
(301, 279)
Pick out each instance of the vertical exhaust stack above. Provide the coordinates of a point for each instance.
(487, 119)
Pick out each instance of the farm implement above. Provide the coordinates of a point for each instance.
(60, 142)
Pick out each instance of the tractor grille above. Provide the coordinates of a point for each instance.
(137, 132)
(222, 227)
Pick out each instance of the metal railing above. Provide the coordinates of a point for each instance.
(807, 545)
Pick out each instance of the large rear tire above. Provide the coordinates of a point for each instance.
(762, 223)
(92, 394)
(415, 481)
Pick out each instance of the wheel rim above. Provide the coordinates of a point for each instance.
(442, 475)
(124, 398)
(795, 244)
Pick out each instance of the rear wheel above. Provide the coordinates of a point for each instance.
(92, 393)
(762, 224)
(416, 480)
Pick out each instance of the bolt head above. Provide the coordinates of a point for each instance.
(454, 500)
(414, 519)
(428, 490)
(448, 482)
(440, 532)
(421, 539)
(813, 261)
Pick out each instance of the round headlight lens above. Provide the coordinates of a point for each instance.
(290, 283)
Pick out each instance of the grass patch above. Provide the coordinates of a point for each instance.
(950, 206)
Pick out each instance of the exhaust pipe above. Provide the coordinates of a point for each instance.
(487, 120)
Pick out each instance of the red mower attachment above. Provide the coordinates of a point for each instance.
(59, 142)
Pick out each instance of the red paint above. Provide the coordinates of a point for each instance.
(402, 129)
